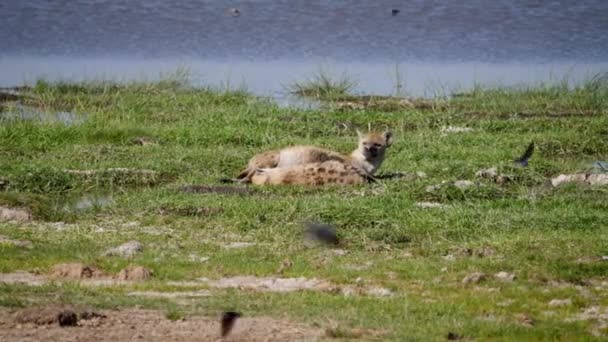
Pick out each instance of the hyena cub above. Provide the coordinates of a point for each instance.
(316, 166)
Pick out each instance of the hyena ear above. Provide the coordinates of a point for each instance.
(388, 137)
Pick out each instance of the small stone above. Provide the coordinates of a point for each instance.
(490, 173)
(339, 252)
(67, 318)
(429, 205)
(463, 184)
(604, 257)
(143, 141)
(126, 250)
(453, 336)
(505, 276)
(420, 174)
(379, 292)
(474, 278)
(560, 302)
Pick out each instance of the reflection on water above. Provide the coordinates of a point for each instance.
(272, 79)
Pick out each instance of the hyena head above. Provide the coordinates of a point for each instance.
(373, 145)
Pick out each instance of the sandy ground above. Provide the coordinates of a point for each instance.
(40, 324)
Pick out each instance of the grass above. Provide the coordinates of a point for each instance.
(551, 239)
(324, 86)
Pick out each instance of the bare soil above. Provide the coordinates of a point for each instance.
(142, 325)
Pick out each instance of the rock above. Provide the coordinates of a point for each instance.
(15, 214)
(432, 188)
(451, 336)
(75, 271)
(485, 252)
(126, 250)
(379, 292)
(134, 273)
(581, 178)
(490, 173)
(67, 318)
(505, 276)
(463, 184)
(143, 141)
(18, 243)
(560, 302)
(421, 174)
(474, 278)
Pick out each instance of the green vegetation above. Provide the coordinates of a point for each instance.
(552, 239)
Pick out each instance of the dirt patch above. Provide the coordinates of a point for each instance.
(214, 189)
(22, 277)
(63, 315)
(75, 271)
(581, 178)
(272, 284)
(15, 214)
(179, 294)
(18, 243)
(86, 275)
(134, 273)
(126, 250)
(237, 245)
(147, 325)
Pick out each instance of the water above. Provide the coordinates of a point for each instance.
(434, 44)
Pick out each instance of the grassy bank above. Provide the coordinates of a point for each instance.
(551, 239)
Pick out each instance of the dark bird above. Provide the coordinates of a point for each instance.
(228, 320)
(395, 12)
(325, 233)
(523, 160)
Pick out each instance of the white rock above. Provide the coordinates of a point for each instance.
(560, 302)
(126, 250)
(504, 276)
